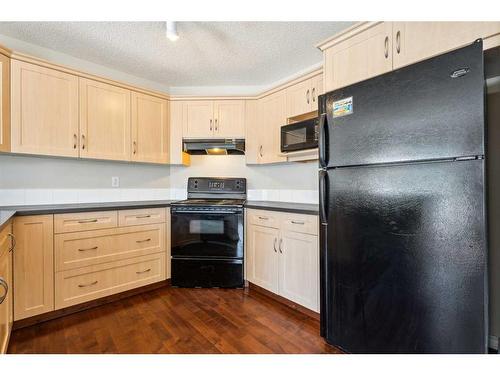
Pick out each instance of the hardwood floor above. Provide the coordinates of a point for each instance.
(170, 320)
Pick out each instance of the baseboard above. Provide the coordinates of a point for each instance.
(87, 305)
(284, 301)
(493, 342)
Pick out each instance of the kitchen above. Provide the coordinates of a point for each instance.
(207, 215)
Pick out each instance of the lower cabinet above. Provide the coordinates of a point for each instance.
(6, 306)
(65, 259)
(283, 255)
(33, 265)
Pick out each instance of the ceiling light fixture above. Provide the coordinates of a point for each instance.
(172, 31)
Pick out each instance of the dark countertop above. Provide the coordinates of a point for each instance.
(298, 208)
(5, 216)
(41, 209)
(7, 212)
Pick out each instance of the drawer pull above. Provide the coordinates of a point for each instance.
(142, 216)
(87, 221)
(89, 248)
(146, 240)
(298, 222)
(85, 285)
(263, 218)
(5, 287)
(139, 272)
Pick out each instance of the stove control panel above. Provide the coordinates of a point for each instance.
(217, 185)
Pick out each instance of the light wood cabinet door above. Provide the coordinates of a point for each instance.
(150, 129)
(299, 98)
(4, 103)
(229, 118)
(6, 307)
(360, 57)
(299, 268)
(316, 90)
(177, 154)
(272, 115)
(252, 139)
(262, 257)
(33, 266)
(44, 111)
(199, 119)
(415, 41)
(104, 121)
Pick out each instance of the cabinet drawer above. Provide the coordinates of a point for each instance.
(263, 218)
(300, 223)
(73, 250)
(77, 222)
(141, 216)
(89, 283)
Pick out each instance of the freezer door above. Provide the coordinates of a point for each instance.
(405, 259)
(430, 110)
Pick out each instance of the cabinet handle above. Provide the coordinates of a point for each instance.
(298, 222)
(89, 248)
(134, 147)
(85, 285)
(139, 272)
(75, 139)
(260, 151)
(211, 125)
(142, 216)
(398, 41)
(274, 244)
(263, 218)
(146, 240)
(83, 142)
(281, 243)
(314, 94)
(216, 126)
(386, 47)
(87, 221)
(307, 96)
(5, 286)
(13, 242)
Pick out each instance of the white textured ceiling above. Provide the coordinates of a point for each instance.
(206, 54)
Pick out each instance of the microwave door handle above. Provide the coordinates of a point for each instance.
(323, 197)
(322, 141)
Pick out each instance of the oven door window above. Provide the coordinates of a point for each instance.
(207, 235)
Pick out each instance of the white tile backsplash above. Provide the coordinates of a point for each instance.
(14, 197)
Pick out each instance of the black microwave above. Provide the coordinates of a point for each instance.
(301, 135)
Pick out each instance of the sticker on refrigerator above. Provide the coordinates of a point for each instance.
(342, 107)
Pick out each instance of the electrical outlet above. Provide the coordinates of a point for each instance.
(115, 181)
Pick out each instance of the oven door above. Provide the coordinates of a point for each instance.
(300, 136)
(207, 234)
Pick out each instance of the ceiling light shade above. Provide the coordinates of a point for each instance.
(172, 31)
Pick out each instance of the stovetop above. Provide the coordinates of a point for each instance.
(210, 202)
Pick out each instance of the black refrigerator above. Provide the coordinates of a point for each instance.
(403, 247)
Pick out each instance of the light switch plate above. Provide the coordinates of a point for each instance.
(115, 181)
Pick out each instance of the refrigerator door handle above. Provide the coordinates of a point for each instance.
(323, 197)
(322, 143)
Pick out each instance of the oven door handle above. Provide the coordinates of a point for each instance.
(206, 212)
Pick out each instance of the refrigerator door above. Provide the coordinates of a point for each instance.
(405, 258)
(430, 110)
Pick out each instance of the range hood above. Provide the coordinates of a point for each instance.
(215, 146)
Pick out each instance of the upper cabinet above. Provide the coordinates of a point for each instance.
(373, 48)
(104, 121)
(302, 97)
(177, 154)
(214, 119)
(4, 103)
(44, 112)
(264, 118)
(150, 129)
(362, 56)
(415, 41)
